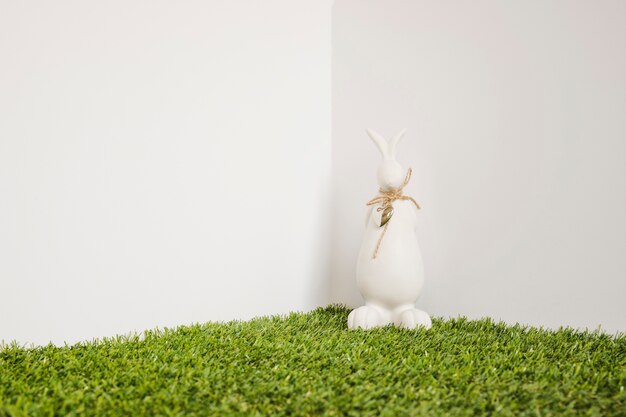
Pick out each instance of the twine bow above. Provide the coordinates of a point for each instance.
(386, 199)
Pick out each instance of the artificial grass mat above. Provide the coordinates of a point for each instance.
(310, 364)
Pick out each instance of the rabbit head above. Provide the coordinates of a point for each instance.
(390, 173)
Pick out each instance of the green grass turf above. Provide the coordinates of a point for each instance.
(310, 364)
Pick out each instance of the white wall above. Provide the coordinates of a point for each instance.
(164, 163)
(517, 137)
(161, 163)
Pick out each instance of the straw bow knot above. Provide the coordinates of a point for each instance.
(386, 198)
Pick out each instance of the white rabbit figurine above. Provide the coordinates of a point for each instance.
(389, 270)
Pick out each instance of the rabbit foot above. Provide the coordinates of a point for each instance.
(412, 318)
(365, 317)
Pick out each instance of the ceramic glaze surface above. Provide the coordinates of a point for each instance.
(392, 281)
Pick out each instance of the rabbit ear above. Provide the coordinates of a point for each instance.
(394, 142)
(380, 142)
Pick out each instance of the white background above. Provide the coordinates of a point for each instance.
(516, 116)
(161, 163)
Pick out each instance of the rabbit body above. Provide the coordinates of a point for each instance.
(390, 282)
(396, 276)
